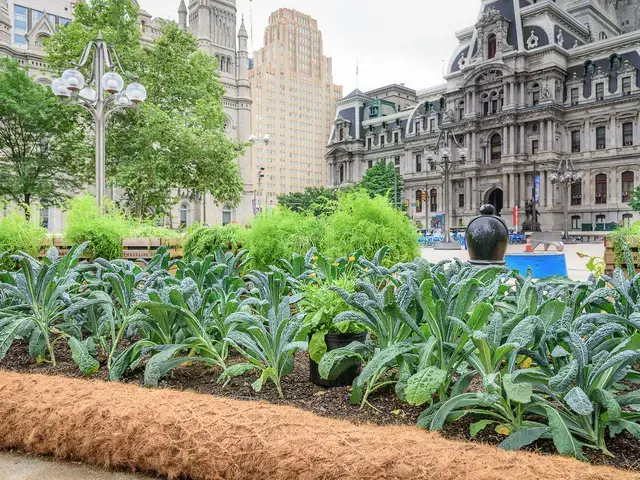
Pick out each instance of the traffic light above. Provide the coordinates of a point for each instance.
(424, 196)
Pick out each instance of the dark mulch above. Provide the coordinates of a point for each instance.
(299, 392)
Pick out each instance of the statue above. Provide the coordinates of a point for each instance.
(462, 62)
(575, 44)
(546, 94)
(560, 38)
(532, 41)
(531, 224)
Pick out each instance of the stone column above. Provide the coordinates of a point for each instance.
(614, 198)
(505, 140)
(467, 194)
(522, 193)
(505, 190)
(523, 88)
(473, 195)
(549, 194)
(473, 150)
(512, 92)
(543, 189)
(586, 189)
(522, 150)
(512, 190)
(542, 143)
(613, 133)
(512, 139)
(549, 135)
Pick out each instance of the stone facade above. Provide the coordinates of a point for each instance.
(213, 24)
(530, 84)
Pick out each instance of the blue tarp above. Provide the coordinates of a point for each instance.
(542, 264)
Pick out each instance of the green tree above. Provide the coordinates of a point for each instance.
(44, 154)
(176, 139)
(315, 200)
(384, 179)
(635, 199)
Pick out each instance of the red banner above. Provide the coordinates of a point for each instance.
(515, 218)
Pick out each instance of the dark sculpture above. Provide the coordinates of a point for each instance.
(531, 224)
(487, 238)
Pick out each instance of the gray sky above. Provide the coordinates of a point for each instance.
(401, 41)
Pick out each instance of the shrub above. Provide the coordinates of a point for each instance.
(104, 232)
(149, 230)
(279, 234)
(202, 241)
(620, 236)
(368, 224)
(18, 234)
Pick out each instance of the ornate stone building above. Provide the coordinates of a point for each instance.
(531, 84)
(23, 24)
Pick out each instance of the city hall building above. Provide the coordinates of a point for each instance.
(532, 85)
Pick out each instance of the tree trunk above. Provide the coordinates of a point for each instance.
(26, 206)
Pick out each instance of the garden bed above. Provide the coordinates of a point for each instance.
(385, 410)
(187, 435)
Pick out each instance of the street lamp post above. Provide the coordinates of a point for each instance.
(565, 176)
(441, 156)
(107, 96)
(257, 194)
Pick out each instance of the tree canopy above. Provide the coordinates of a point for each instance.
(176, 139)
(383, 179)
(315, 200)
(44, 155)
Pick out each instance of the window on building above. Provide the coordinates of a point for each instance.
(599, 91)
(575, 141)
(494, 102)
(35, 16)
(601, 138)
(432, 125)
(418, 201)
(627, 134)
(433, 200)
(496, 147)
(460, 111)
(418, 162)
(396, 138)
(44, 218)
(600, 218)
(534, 146)
(485, 105)
(226, 216)
(626, 85)
(535, 98)
(396, 160)
(341, 134)
(575, 222)
(418, 125)
(184, 215)
(342, 173)
(20, 18)
(576, 193)
(461, 200)
(603, 36)
(369, 163)
(63, 21)
(491, 46)
(601, 188)
(575, 92)
(383, 137)
(627, 186)
(627, 219)
(369, 141)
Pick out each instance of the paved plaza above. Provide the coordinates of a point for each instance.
(576, 266)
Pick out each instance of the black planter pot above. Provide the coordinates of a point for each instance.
(487, 238)
(334, 341)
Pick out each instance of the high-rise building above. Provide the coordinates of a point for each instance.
(294, 103)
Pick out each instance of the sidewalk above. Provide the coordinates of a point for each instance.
(576, 266)
(14, 466)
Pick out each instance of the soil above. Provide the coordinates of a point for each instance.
(385, 410)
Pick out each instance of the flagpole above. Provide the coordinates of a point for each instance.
(357, 73)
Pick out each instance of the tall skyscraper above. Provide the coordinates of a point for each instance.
(294, 103)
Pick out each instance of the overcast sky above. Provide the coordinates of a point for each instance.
(397, 41)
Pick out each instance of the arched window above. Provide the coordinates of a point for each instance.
(496, 147)
(219, 62)
(223, 64)
(501, 99)
(460, 110)
(485, 103)
(495, 102)
(627, 186)
(342, 173)
(418, 201)
(603, 36)
(601, 188)
(491, 46)
(226, 215)
(433, 195)
(184, 215)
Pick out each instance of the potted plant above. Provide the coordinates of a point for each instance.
(322, 305)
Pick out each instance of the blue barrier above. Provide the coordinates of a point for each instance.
(542, 264)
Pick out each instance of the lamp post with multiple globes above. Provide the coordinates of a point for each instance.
(107, 95)
(565, 176)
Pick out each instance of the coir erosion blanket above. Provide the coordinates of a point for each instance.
(188, 435)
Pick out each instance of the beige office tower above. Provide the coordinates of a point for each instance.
(294, 103)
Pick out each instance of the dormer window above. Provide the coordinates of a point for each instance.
(373, 111)
(491, 46)
(341, 134)
(600, 91)
(626, 86)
